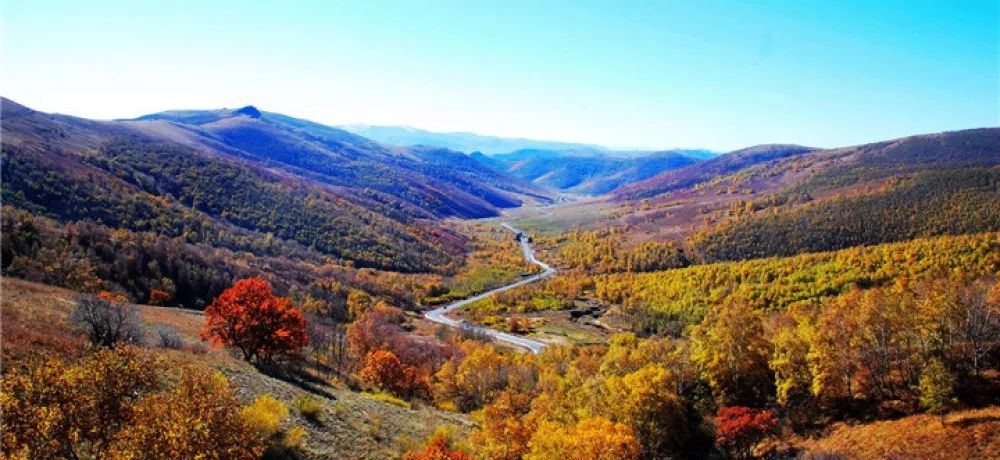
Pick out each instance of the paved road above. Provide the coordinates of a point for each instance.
(438, 314)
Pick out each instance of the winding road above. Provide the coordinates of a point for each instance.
(437, 315)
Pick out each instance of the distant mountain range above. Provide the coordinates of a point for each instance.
(463, 142)
(584, 169)
(584, 173)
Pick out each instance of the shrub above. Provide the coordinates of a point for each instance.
(55, 409)
(107, 322)
(384, 371)
(197, 348)
(158, 297)
(169, 337)
(265, 414)
(294, 437)
(112, 404)
(388, 398)
(437, 449)
(193, 420)
(309, 407)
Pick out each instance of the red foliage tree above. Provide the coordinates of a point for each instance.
(158, 297)
(739, 429)
(249, 317)
(372, 331)
(437, 449)
(112, 297)
(384, 371)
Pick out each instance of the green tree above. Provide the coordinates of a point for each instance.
(936, 388)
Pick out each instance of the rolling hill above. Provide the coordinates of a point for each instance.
(437, 180)
(195, 199)
(784, 200)
(710, 169)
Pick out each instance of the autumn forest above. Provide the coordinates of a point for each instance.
(242, 284)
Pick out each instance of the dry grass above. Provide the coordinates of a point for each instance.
(33, 321)
(965, 434)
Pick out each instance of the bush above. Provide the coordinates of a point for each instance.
(198, 348)
(55, 409)
(107, 322)
(294, 437)
(169, 337)
(114, 404)
(388, 398)
(265, 414)
(196, 419)
(383, 370)
(309, 407)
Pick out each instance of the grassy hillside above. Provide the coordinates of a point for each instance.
(709, 170)
(349, 425)
(964, 434)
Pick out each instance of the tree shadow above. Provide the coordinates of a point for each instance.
(966, 422)
(295, 374)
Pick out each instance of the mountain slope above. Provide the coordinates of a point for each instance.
(919, 186)
(582, 172)
(785, 200)
(435, 180)
(689, 176)
(241, 181)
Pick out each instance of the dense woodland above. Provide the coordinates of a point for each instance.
(777, 283)
(179, 193)
(605, 251)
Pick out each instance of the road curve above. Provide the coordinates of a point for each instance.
(438, 314)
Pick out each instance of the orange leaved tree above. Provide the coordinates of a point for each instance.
(437, 449)
(384, 371)
(249, 317)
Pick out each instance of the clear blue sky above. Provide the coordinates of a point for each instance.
(662, 74)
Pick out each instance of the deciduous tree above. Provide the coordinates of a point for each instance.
(250, 318)
(107, 320)
(593, 438)
(740, 429)
(731, 351)
(936, 388)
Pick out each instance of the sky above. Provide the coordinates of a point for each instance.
(650, 74)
